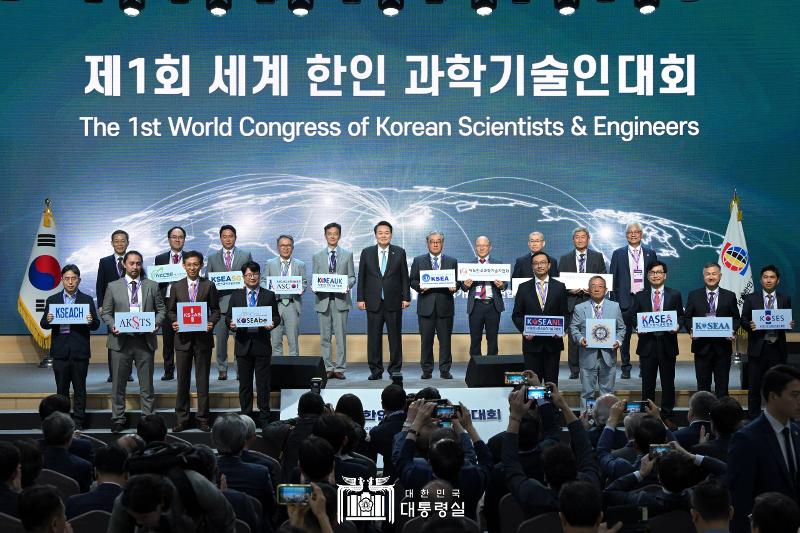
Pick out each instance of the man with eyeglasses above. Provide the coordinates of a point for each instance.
(522, 266)
(658, 351)
(111, 269)
(289, 305)
(176, 236)
(628, 266)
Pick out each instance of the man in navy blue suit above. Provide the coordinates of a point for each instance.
(111, 269)
(381, 437)
(763, 456)
(10, 477)
(110, 476)
(176, 236)
(69, 343)
(56, 402)
(629, 265)
(58, 429)
(484, 303)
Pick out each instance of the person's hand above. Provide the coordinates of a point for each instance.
(467, 283)
(209, 326)
(232, 326)
(646, 465)
(464, 416)
(175, 326)
(585, 421)
(423, 414)
(556, 398)
(584, 343)
(531, 377)
(528, 337)
(223, 482)
(613, 529)
(114, 331)
(518, 403)
(405, 304)
(453, 289)
(498, 283)
(297, 513)
(791, 324)
(269, 327)
(50, 317)
(616, 345)
(704, 437)
(652, 410)
(362, 306)
(317, 501)
(616, 412)
(413, 409)
(752, 324)
(88, 319)
(678, 448)
(691, 334)
(329, 409)
(422, 290)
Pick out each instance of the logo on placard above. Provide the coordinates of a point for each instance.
(657, 320)
(192, 314)
(600, 333)
(359, 501)
(735, 258)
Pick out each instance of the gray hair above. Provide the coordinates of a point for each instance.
(602, 408)
(432, 233)
(601, 278)
(229, 434)
(251, 426)
(581, 229)
(483, 237)
(539, 233)
(632, 423)
(58, 428)
(632, 224)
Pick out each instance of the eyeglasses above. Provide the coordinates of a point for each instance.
(633, 232)
(541, 263)
(656, 272)
(252, 275)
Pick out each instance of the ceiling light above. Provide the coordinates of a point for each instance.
(566, 7)
(646, 7)
(301, 8)
(484, 7)
(132, 8)
(219, 8)
(390, 8)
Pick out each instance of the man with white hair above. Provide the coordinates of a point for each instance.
(523, 268)
(629, 266)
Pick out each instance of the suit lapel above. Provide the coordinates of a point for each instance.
(772, 441)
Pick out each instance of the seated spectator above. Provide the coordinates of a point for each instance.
(428, 393)
(381, 437)
(726, 417)
(250, 438)
(55, 402)
(288, 434)
(699, 416)
(152, 502)
(152, 428)
(339, 431)
(110, 476)
(316, 461)
(677, 472)
(600, 412)
(229, 434)
(774, 512)
(560, 463)
(242, 505)
(580, 507)
(711, 507)
(350, 405)
(298, 517)
(631, 423)
(41, 511)
(58, 429)
(10, 478)
(443, 460)
(30, 454)
(131, 443)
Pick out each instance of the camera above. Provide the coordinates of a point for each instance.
(636, 407)
(316, 385)
(290, 493)
(514, 378)
(540, 393)
(658, 450)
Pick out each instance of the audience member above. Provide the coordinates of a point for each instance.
(599, 414)
(774, 512)
(316, 459)
(580, 507)
(631, 423)
(250, 439)
(152, 428)
(10, 478)
(55, 402)
(298, 516)
(699, 416)
(381, 437)
(339, 431)
(290, 433)
(726, 417)
(58, 429)
(131, 443)
(30, 454)
(351, 406)
(41, 511)
(109, 467)
(711, 507)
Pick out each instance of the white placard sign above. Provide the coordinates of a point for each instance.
(437, 279)
(285, 284)
(166, 273)
(575, 280)
(543, 326)
(712, 326)
(484, 271)
(329, 283)
(516, 282)
(601, 332)
(225, 281)
(70, 313)
(656, 321)
(135, 322)
(251, 317)
(192, 316)
(772, 318)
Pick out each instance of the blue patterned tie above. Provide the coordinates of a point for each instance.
(252, 302)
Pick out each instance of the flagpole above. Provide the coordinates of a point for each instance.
(47, 361)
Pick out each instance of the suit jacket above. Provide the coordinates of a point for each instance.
(497, 294)
(100, 499)
(298, 268)
(648, 342)
(344, 267)
(106, 273)
(621, 290)
(440, 300)
(756, 465)
(595, 264)
(577, 330)
(165, 259)
(206, 292)
(244, 509)
(717, 448)
(394, 283)
(244, 341)
(76, 344)
(524, 269)
(381, 438)
(9, 501)
(116, 301)
(689, 436)
(697, 306)
(250, 478)
(527, 303)
(216, 263)
(756, 339)
(79, 447)
(63, 462)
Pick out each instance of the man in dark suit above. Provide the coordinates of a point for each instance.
(111, 269)
(712, 355)
(657, 351)
(765, 348)
(110, 477)
(193, 346)
(584, 261)
(484, 304)
(10, 477)
(542, 295)
(522, 266)
(252, 347)
(726, 417)
(383, 292)
(435, 307)
(699, 417)
(628, 266)
(176, 237)
(69, 343)
(763, 456)
(56, 402)
(381, 437)
(58, 430)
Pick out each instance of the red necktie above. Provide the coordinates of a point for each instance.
(482, 288)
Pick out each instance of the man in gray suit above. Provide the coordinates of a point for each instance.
(289, 305)
(229, 258)
(333, 308)
(484, 304)
(127, 294)
(581, 260)
(598, 366)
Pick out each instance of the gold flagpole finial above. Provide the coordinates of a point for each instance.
(48, 214)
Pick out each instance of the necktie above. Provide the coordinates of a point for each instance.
(175, 258)
(252, 299)
(120, 268)
(482, 288)
(228, 260)
(787, 440)
(436, 263)
(636, 285)
(332, 262)
(657, 301)
(284, 268)
(712, 310)
(383, 262)
(598, 311)
(134, 293)
(69, 300)
(193, 291)
(541, 293)
(771, 336)
(582, 264)
(770, 301)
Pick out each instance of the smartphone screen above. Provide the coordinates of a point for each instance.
(293, 494)
(514, 378)
(636, 407)
(536, 393)
(589, 405)
(444, 412)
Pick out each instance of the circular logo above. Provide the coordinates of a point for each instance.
(600, 332)
(735, 258)
(426, 277)
(45, 273)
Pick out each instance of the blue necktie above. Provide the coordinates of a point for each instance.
(252, 298)
(383, 262)
(436, 263)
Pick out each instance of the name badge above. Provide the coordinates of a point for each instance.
(638, 275)
(135, 309)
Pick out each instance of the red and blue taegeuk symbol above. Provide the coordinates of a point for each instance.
(45, 273)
